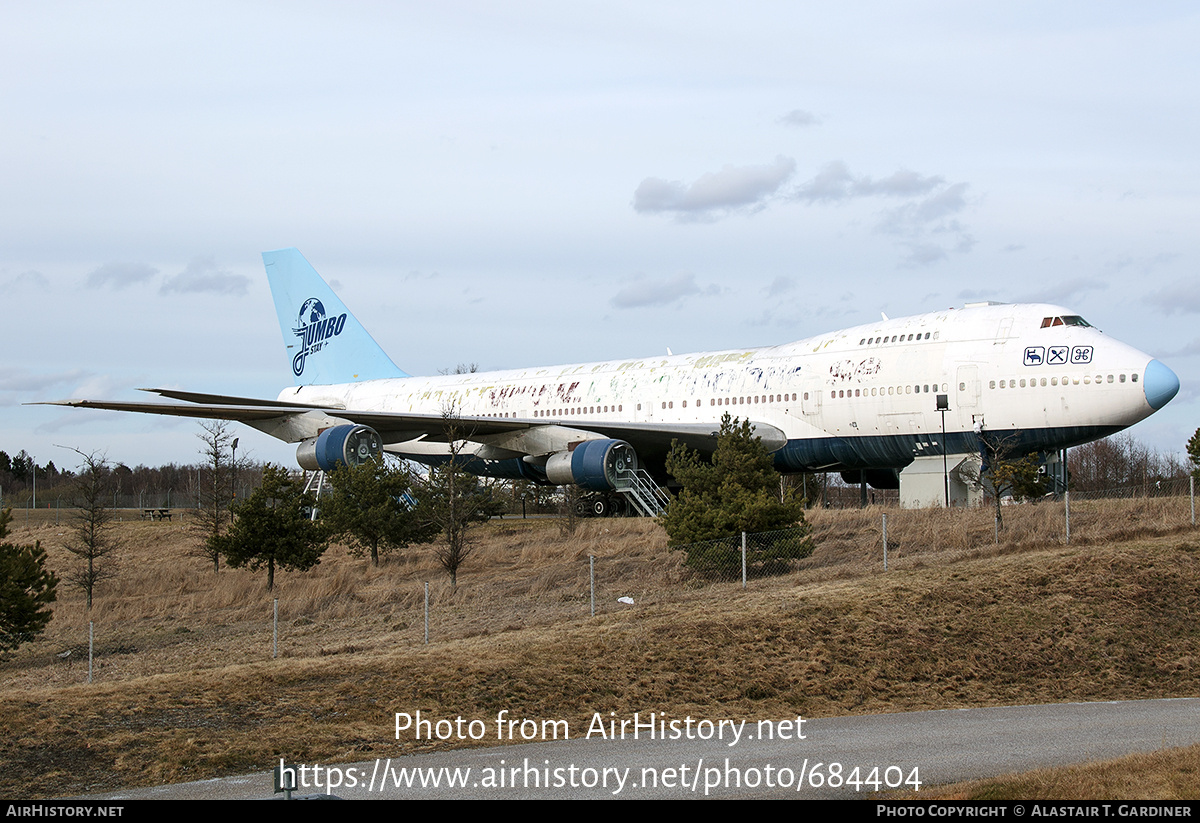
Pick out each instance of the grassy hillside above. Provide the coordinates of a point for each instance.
(186, 687)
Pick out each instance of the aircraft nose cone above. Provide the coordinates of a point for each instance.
(1160, 384)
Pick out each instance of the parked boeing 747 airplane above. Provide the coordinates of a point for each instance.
(872, 400)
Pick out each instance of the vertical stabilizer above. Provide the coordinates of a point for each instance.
(325, 342)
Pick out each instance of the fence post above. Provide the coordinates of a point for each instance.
(885, 542)
(90, 650)
(743, 560)
(592, 581)
(1067, 501)
(426, 612)
(1192, 495)
(275, 630)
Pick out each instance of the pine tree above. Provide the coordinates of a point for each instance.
(736, 491)
(273, 527)
(372, 507)
(26, 590)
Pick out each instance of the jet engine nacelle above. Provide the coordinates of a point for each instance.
(593, 464)
(347, 445)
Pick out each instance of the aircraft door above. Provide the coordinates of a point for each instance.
(967, 380)
(810, 397)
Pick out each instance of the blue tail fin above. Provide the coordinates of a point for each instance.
(325, 343)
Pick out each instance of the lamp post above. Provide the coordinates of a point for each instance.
(233, 460)
(943, 405)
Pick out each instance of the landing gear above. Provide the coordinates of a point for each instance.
(601, 504)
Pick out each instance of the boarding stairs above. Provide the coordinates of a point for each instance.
(314, 482)
(639, 488)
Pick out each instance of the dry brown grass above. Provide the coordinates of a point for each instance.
(1169, 774)
(186, 687)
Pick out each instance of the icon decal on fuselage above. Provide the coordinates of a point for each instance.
(1058, 355)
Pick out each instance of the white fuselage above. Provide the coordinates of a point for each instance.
(856, 398)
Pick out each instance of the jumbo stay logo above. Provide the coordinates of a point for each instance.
(314, 330)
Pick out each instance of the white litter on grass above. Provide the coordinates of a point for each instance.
(626, 600)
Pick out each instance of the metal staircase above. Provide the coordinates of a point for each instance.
(642, 492)
(314, 481)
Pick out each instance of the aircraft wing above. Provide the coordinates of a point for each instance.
(268, 409)
(273, 416)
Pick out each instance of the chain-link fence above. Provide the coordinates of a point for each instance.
(168, 615)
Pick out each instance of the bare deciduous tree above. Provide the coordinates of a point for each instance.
(454, 500)
(215, 492)
(1010, 471)
(91, 540)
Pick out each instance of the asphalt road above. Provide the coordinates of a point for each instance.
(855, 753)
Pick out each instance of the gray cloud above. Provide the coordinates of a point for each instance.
(834, 182)
(1063, 293)
(31, 279)
(799, 118)
(927, 208)
(1189, 350)
(780, 285)
(922, 254)
(1182, 297)
(119, 275)
(915, 216)
(19, 385)
(204, 275)
(903, 183)
(971, 295)
(21, 380)
(656, 292)
(927, 226)
(730, 188)
(831, 183)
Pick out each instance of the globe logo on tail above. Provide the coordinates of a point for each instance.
(314, 330)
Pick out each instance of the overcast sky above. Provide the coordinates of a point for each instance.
(524, 183)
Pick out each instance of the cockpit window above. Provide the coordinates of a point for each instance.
(1065, 320)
